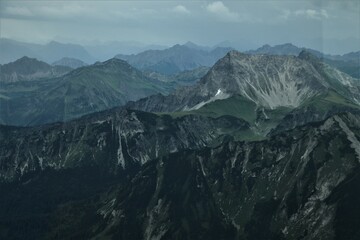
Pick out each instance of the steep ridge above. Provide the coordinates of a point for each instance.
(297, 184)
(84, 90)
(115, 139)
(268, 81)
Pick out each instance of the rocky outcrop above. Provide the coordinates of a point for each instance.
(299, 184)
(117, 140)
(269, 81)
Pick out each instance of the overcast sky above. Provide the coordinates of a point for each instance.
(329, 26)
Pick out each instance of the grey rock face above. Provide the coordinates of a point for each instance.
(268, 81)
(297, 184)
(118, 139)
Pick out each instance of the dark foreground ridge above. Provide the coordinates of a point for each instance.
(299, 184)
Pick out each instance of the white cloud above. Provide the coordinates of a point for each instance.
(218, 8)
(312, 13)
(52, 11)
(181, 9)
(18, 11)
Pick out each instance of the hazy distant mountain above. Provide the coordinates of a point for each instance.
(26, 69)
(175, 59)
(69, 62)
(352, 56)
(290, 49)
(267, 148)
(50, 52)
(348, 63)
(282, 49)
(104, 51)
(84, 90)
(192, 45)
(185, 78)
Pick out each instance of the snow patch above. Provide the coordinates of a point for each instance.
(218, 92)
(220, 95)
(99, 122)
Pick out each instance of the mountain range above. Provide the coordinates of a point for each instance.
(104, 51)
(158, 58)
(348, 63)
(27, 69)
(260, 147)
(81, 91)
(269, 86)
(134, 175)
(50, 52)
(175, 59)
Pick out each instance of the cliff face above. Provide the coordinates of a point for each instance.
(297, 184)
(115, 139)
(266, 80)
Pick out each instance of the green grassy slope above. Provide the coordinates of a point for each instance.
(263, 120)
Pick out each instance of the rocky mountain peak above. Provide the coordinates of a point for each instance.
(25, 65)
(27, 60)
(26, 68)
(269, 81)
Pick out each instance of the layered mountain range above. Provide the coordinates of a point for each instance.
(81, 91)
(27, 69)
(50, 52)
(348, 63)
(175, 59)
(261, 147)
(267, 81)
